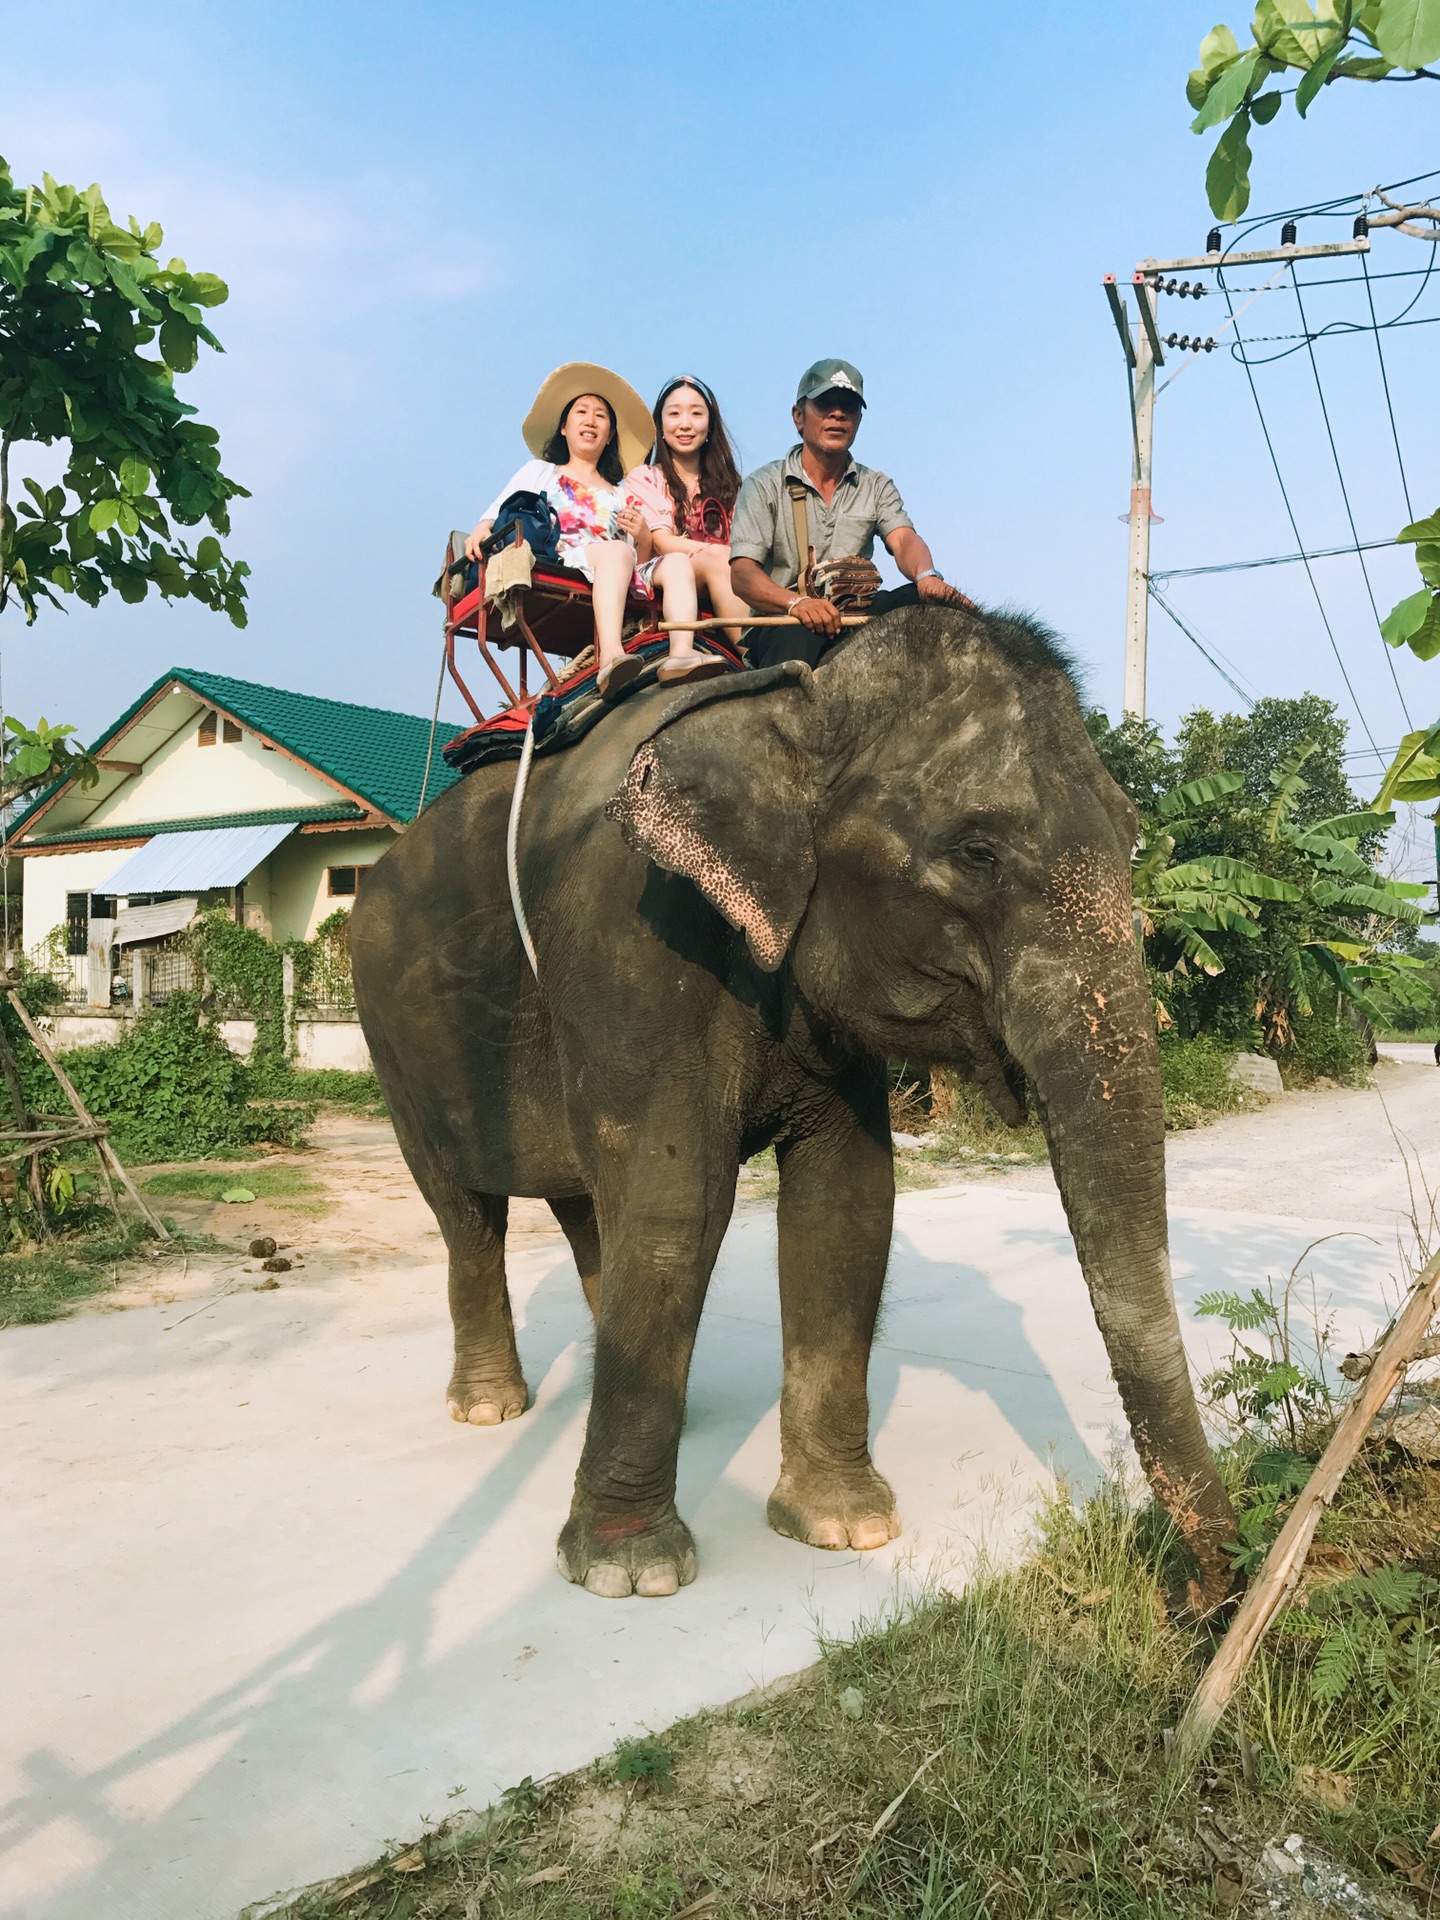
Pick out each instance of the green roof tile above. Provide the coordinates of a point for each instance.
(343, 810)
(377, 753)
(374, 751)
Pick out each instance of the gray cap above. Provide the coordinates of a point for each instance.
(825, 376)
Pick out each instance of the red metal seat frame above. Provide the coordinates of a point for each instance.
(553, 611)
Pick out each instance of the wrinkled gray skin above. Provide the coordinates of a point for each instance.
(744, 900)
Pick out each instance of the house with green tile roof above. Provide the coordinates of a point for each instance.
(216, 791)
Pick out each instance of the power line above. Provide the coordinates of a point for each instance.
(1295, 529)
(1385, 381)
(1272, 560)
(1345, 496)
(1199, 645)
(1333, 330)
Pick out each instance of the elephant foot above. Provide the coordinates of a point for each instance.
(615, 1558)
(484, 1400)
(825, 1508)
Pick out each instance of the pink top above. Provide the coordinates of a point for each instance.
(647, 487)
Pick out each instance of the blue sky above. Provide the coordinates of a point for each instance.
(420, 210)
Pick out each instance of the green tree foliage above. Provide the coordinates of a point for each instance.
(1415, 622)
(81, 298)
(1262, 910)
(1333, 40)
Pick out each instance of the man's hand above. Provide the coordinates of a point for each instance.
(816, 615)
(936, 592)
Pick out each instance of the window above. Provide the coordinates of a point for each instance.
(232, 733)
(207, 727)
(102, 906)
(77, 923)
(345, 880)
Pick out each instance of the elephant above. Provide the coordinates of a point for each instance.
(743, 901)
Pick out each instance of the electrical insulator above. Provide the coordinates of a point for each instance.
(1210, 345)
(1198, 291)
(1171, 339)
(1212, 240)
(1287, 234)
(1361, 227)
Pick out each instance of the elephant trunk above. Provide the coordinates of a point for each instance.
(1100, 1099)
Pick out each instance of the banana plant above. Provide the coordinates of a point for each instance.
(1357, 961)
(1350, 913)
(1213, 893)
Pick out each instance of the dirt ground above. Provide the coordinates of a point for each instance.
(1360, 1154)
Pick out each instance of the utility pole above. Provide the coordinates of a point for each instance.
(1148, 356)
(1143, 354)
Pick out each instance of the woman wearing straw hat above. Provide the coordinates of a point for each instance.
(586, 428)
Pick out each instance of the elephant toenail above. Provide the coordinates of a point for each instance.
(829, 1533)
(871, 1532)
(610, 1582)
(485, 1413)
(655, 1582)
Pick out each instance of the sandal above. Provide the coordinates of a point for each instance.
(616, 675)
(691, 666)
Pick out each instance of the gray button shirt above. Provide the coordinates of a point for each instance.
(865, 503)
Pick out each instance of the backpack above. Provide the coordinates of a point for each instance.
(530, 517)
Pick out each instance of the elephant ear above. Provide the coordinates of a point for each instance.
(724, 792)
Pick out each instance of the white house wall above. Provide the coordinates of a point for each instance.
(184, 780)
(50, 876)
(298, 894)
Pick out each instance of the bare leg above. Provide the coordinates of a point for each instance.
(577, 1217)
(612, 563)
(675, 577)
(712, 568)
(833, 1252)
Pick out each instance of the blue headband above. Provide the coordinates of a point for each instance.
(687, 380)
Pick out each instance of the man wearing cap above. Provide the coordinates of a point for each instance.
(845, 506)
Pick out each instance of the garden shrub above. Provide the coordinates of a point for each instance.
(1196, 1080)
(1326, 1049)
(172, 1090)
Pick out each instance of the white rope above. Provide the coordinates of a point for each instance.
(512, 842)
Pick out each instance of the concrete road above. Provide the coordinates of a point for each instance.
(266, 1607)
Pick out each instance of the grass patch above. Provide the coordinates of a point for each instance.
(995, 1754)
(208, 1183)
(40, 1283)
(357, 1093)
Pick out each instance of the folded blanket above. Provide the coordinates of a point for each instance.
(507, 574)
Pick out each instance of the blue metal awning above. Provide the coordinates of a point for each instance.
(201, 857)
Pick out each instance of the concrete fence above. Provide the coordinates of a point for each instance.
(318, 1043)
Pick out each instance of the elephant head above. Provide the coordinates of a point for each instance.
(922, 831)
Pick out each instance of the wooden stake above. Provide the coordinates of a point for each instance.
(1283, 1565)
(109, 1159)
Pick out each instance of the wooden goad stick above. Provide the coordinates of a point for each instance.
(1283, 1565)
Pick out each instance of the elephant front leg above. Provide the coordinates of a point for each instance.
(624, 1535)
(837, 1202)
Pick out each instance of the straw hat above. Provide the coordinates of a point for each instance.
(633, 426)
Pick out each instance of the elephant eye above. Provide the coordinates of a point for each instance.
(976, 854)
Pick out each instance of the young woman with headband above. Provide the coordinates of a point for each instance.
(686, 494)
